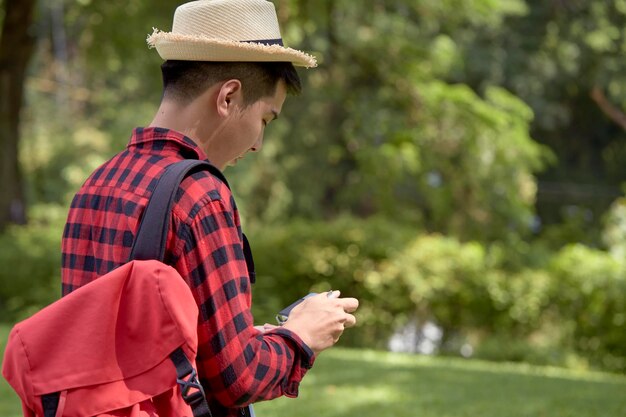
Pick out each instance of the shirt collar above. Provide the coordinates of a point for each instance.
(143, 137)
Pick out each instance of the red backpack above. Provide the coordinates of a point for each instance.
(122, 345)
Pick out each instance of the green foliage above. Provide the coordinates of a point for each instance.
(576, 306)
(405, 175)
(391, 136)
(564, 308)
(589, 290)
(31, 258)
(477, 162)
(466, 290)
(556, 56)
(615, 229)
(303, 257)
(56, 161)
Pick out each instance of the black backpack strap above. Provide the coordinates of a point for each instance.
(190, 387)
(152, 234)
(50, 403)
(151, 237)
(247, 254)
(150, 244)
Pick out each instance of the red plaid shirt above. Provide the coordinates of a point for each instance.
(237, 364)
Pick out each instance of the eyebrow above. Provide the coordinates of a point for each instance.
(275, 113)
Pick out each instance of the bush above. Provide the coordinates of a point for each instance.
(561, 308)
(469, 292)
(30, 277)
(573, 311)
(589, 290)
(303, 256)
(614, 233)
(564, 308)
(444, 280)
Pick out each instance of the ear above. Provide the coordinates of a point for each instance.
(229, 96)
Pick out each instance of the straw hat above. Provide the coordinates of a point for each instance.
(226, 30)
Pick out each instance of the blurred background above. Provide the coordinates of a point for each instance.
(457, 165)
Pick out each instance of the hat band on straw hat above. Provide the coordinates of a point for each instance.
(267, 42)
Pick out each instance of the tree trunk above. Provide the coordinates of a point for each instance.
(16, 48)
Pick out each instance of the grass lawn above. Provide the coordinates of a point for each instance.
(357, 383)
(360, 383)
(9, 402)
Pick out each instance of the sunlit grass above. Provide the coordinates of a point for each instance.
(362, 383)
(366, 383)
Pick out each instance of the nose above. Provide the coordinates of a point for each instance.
(256, 147)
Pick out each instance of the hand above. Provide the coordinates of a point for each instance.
(321, 319)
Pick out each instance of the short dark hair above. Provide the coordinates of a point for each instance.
(183, 81)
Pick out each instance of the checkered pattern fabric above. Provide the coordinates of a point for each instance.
(237, 364)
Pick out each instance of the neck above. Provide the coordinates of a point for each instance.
(193, 120)
(183, 119)
(199, 120)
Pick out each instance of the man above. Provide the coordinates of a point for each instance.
(226, 76)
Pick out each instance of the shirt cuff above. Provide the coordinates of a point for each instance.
(308, 357)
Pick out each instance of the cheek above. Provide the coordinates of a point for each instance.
(256, 132)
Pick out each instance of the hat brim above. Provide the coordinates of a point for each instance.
(199, 48)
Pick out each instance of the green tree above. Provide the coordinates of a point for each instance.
(379, 129)
(564, 59)
(16, 47)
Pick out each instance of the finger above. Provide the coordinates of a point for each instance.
(333, 294)
(349, 321)
(337, 333)
(349, 304)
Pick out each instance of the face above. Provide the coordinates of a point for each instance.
(243, 131)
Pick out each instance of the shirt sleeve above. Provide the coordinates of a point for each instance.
(237, 364)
